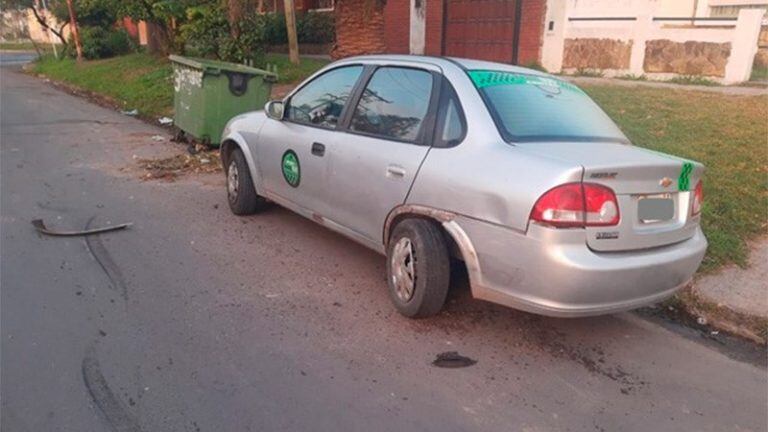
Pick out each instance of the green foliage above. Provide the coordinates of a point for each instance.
(99, 42)
(90, 13)
(136, 80)
(209, 34)
(311, 27)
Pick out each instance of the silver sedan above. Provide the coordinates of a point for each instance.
(516, 173)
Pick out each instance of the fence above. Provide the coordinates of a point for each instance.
(722, 49)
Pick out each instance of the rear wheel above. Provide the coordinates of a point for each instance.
(241, 194)
(418, 268)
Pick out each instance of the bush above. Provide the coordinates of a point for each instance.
(311, 27)
(208, 34)
(99, 42)
(316, 27)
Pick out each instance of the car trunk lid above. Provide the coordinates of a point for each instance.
(654, 192)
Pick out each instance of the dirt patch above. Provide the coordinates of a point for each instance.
(172, 167)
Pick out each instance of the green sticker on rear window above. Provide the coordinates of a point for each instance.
(484, 78)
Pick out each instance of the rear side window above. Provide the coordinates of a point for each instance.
(394, 104)
(451, 124)
(322, 100)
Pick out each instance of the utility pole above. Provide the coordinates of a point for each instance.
(75, 33)
(290, 25)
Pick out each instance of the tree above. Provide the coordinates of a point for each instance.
(162, 18)
(290, 25)
(40, 15)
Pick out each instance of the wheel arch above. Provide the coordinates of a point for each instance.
(459, 243)
(236, 141)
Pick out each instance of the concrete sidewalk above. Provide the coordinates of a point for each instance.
(736, 299)
(726, 90)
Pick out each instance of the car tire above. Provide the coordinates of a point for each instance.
(241, 194)
(422, 243)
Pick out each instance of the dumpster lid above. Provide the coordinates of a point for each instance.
(215, 67)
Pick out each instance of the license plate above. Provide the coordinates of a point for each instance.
(651, 210)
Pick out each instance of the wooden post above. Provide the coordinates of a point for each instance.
(75, 33)
(290, 25)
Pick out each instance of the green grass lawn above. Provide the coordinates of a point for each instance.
(135, 81)
(143, 82)
(728, 134)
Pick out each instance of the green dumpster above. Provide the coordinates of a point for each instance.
(208, 93)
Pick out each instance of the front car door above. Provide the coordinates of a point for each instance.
(291, 152)
(387, 135)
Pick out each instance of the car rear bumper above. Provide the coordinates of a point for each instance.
(553, 272)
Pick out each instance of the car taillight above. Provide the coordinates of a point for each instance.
(576, 205)
(698, 199)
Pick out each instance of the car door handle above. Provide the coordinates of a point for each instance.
(395, 171)
(318, 149)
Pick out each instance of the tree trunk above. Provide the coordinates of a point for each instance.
(290, 25)
(75, 32)
(236, 9)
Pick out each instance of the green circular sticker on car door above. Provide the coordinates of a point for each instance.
(291, 168)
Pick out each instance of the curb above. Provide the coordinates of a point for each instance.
(747, 326)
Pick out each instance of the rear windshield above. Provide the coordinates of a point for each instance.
(533, 108)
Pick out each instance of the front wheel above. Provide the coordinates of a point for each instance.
(241, 194)
(418, 268)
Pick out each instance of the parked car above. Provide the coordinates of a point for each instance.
(515, 172)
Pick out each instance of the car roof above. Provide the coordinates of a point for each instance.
(449, 62)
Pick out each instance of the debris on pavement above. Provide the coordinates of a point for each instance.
(40, 227)
(132, 113)
(452, 360)
(171, 167)
(701, 321)
(158, 138)
(165, 121)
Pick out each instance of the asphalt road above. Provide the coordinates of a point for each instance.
(197, 320)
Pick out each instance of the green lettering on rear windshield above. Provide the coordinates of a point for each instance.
(484, 78)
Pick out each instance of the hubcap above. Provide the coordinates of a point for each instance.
(403, 269)
(232, 181)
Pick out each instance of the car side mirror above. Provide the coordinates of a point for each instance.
(275, 109)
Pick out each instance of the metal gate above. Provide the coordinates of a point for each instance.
(481, 29)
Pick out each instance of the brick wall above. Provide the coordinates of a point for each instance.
(397, 23)
(531, 31)
(434, 30)
(389, 30)
(359, 28)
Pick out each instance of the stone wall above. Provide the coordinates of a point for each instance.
(592, 53)
(761, 58)
(686, 58)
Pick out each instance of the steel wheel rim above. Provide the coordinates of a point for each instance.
(403, 264)
(232, 181)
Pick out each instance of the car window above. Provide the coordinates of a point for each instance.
(322, 100)
(451, 125)
(538, 108)
(394, 103)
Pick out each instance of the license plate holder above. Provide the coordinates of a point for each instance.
(655, 208)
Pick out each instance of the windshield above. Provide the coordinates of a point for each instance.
(534, 108)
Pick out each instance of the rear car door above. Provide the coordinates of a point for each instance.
(388, 131)
(291, 152)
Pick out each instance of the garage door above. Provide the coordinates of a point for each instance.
(480, 29)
